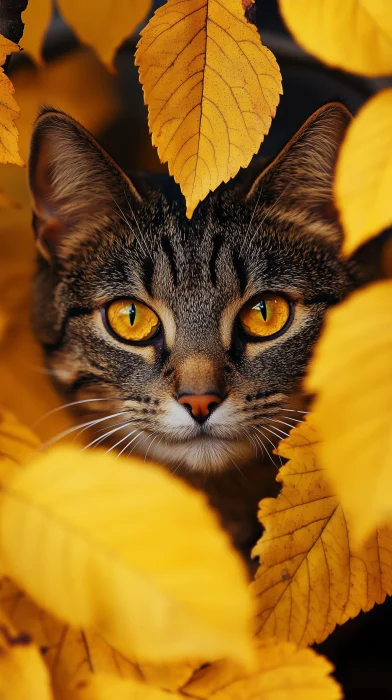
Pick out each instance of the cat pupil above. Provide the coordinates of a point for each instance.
(263, 309)
(132, 314)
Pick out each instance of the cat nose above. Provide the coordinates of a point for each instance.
(200, 406)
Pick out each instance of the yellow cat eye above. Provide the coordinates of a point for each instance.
(265, 315)
(131, 320)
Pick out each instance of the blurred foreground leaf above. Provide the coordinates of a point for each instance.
(352, 376)
(127, 550)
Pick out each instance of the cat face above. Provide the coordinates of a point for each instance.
(193, 336)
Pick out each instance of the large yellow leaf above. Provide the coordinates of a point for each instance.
(9, 110)
(211, 88)
(363, 182)
(128, 550)
(352, 375)
(282, 673)
(73, 656)
(36, 18)
(105, 26)
(22, 672)
(355, 35)
(312, 576)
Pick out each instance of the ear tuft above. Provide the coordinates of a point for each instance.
(75, 185)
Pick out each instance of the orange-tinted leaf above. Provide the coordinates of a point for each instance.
(282, 673)
(6, 202)
(71, 655)
(24, 387)
(9, 110)
(17, 443)
(22, 672)
(211, 88)
(105, 26)
(6, 48)
(36, 18)
(311, 576)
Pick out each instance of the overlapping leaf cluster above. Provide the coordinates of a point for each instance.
(102, 595)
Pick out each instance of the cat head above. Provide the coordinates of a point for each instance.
(193, 336)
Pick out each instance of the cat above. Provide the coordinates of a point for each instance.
(188, 339)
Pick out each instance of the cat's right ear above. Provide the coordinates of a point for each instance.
(298, 185)
(76, 187)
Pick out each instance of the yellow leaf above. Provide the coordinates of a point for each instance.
(7, 47)
(9, 110)
(71, 655)
(283, 672)
(211, 88)
(352, 376)
(7, 202)
(24, 386)
(355, 35)
(36, 18)
(105, 687)
(107, 26)
(363, 179)
(22, 673)
(127, 550)
(17, 443)
(312, 576)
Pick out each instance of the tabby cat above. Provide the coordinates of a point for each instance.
(186, 341)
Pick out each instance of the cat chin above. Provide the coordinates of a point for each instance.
(200, 454)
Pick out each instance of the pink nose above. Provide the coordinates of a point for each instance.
(200, 406)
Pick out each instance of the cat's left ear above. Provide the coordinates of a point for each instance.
(76, 187)
(298, 185)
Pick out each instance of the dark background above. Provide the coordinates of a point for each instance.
(361, 649)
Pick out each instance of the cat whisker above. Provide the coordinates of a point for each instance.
(292, 420)
(141, 434)
(276, 434)
(251, 220)
(151, 443)
(102, 430)
(266, 214)
(127, 222)
(261, 444)
(113, 447)
(283, 432)
(271, 443)
(129, 443)
(237, 467)
(98, 440)
(69, 431)
(140, 232)
(251, 440)
(69, 405)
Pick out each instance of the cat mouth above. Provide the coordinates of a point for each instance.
(203, 452)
